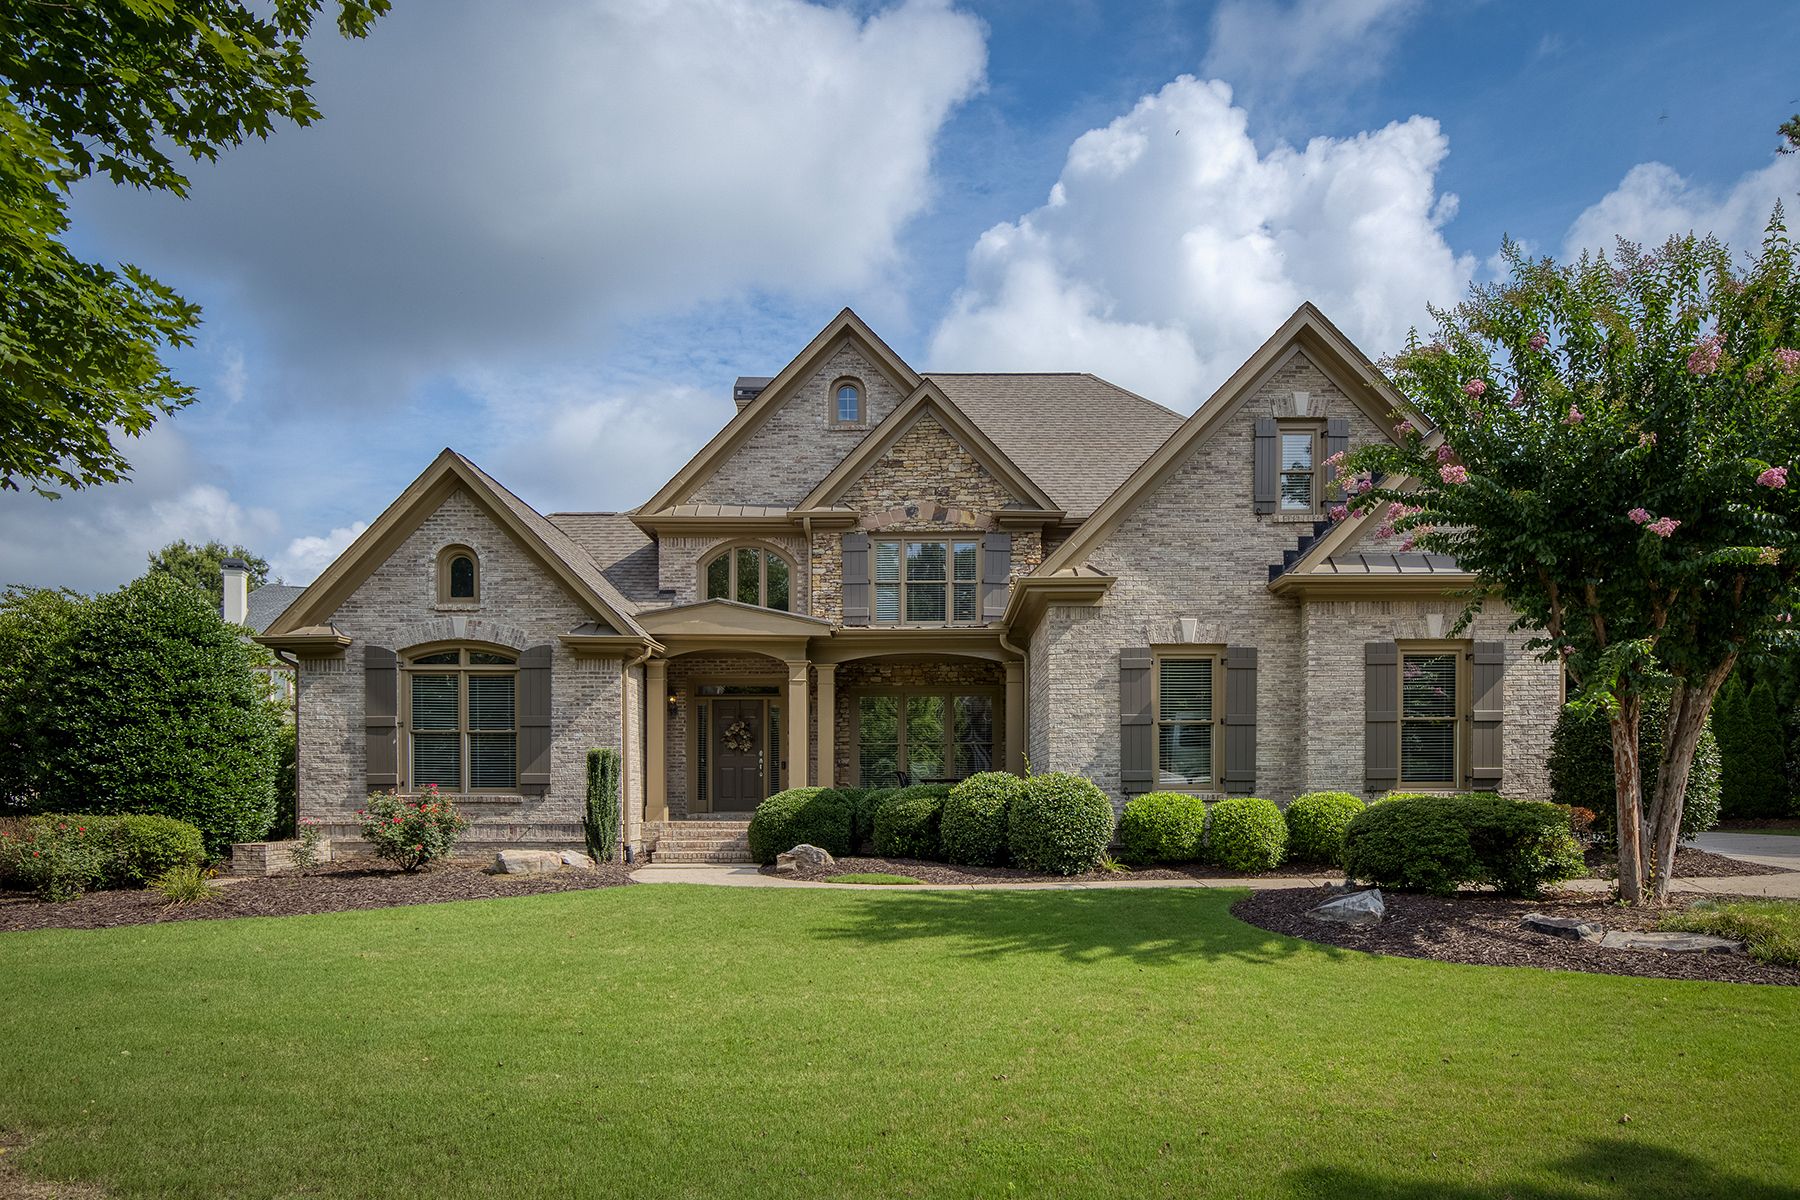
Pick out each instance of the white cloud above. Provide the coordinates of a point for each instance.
(1270, 50)
(305, 557)
(1653, 203)
(1163, 259)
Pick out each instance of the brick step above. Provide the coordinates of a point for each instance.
(701, 856)
(688, 828)
(687, 844)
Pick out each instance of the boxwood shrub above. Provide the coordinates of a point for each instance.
(864, 802)
(810, 816)
(908, 823)
(1060, 824)
(1316, 824)
(976, 816)
(1246, 834)
(1438, 843)
(1163, 827)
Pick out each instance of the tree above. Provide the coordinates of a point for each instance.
(33, 621)
(1731, 723)
(111, 87)
(1610, 458)
(1767, 754)
(201, 567)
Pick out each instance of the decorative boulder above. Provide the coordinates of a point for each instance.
(1572, 928)
(576, 859)
(525, 862)
(1356, 908)
(803, 855)
(1672, 943)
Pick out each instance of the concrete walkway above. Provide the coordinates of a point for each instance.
(1769, 849)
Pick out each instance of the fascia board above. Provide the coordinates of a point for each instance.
(1372, 587)
(1033, 594)
(607, 645)
(306, 645)
(671, 525)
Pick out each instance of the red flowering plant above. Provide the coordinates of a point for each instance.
(1630, 501)
(410, 831)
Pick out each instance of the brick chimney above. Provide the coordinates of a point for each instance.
(236, 609)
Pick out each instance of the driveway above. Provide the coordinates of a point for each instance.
(1770, 849)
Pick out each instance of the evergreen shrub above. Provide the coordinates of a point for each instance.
(1316, 824)
(812, 816)
(908, 823)
(63, 855)
(1436, 844)
(976, 817)
(1060, 824)
(1163, 827)
(1246, 833)
(600, 818)
(1581, 769)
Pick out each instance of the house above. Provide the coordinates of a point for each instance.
(872, 574)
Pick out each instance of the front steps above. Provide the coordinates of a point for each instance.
(709, 838)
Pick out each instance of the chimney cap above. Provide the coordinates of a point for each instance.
(234, 564)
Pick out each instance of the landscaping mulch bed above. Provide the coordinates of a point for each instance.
(937, 872)
(336, 887)
(1689, 864)
(1482, 929)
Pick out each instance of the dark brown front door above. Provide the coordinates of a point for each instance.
(738, 773)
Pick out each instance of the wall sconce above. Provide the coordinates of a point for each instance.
(674, 703)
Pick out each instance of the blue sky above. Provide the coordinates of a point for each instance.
(551, 236)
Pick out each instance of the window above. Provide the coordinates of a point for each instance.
(923, 737)
(1296, 471)
(846, 402)
(1187, 714)
(463, 721)
(927, 582)
(749, 576)
(458, 575)
(1429, 718)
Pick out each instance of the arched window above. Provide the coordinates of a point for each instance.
(458, 575)
(847, 402)
(750, 576)
(461, 714)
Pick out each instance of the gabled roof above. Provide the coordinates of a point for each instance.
(737, 431)
(626, 554)
(537, 535)
(1076, 435)
(268, 602)
(1308, 331)
(928, 400)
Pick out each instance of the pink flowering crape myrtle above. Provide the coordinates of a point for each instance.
(1774, 477)
(1664, 527)
(1454, 474)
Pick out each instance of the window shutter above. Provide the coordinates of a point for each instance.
(534, 721)
(1137, 723)
(1487, 751)
(1381, 716)
(856, 579)
(996, 573)
(1337, 441)
(1268, 465)
(1240, 719)
(381, 718)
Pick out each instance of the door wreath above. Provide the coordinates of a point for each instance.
(738, 739)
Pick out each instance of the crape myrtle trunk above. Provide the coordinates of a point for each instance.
(1688, 707)
(1629, 791)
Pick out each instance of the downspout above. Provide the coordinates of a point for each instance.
(643, 758)
(806, 523)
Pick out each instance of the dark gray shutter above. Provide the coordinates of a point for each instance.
(1137, 723)
(381, 718)
(1381, 716)
(1240, 719)
(856, 579)
(534, 721)
(1487, 712)
(1337, 441)
(996, 573)
(1268, 465)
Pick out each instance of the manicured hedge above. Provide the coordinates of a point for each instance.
(65, 854)
(800, 816)
(1163, 827)
(1060, 824)
(976, 817)
(1316, 824)
(1246, 834)
(864, 802)
(907, 823)
(1438, 843)
(1581, 768)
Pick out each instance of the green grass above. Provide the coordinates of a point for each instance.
(677, 1041)
(872, 877)
(1770, 928)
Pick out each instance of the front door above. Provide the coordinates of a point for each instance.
(738, 746)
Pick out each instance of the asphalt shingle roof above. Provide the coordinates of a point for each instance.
(625, 553)
(268, 602)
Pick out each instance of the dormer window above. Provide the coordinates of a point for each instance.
(458, 575)
(1297, 470)
(750, 576)
(847, 402)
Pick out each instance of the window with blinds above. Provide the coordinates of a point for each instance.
(923, 736)
(1428, 719)
(927, 582)
(463, 722)
(1185, 718)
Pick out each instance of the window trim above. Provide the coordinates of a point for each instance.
(462, 670)
(445, 557)
(711, 555)
(851, 704)
(1285, 426)
(862, 402)
(948, 584)
(1463, 649)
(1189, 651)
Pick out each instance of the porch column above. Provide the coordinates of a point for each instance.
(797, 722)
(827, 768)
(656, 739)
(1015, 717)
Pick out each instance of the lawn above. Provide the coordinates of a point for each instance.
(710, 1042)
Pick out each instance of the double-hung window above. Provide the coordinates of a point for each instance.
(1189, 690)
(463, 721)
(927, 581)
(1430, 718)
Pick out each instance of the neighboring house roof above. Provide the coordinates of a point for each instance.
(268, 602)
(1077, 436)
(626, 554)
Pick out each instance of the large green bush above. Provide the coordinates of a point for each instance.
(809, 816)
(142, 701)
(867, 805)
(600, 817)
(63, 855)
(1246, 834)
(976, 816)
(1060, 824)
(908, 824)
(1163, 827)
(1316, 824)
(1437, 843)
(1581, 769)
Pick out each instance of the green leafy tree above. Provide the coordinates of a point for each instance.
(1610, 456)
(33, 622)
(1730, 723)
(202, 567)
(114, 87)
(1768, 753)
